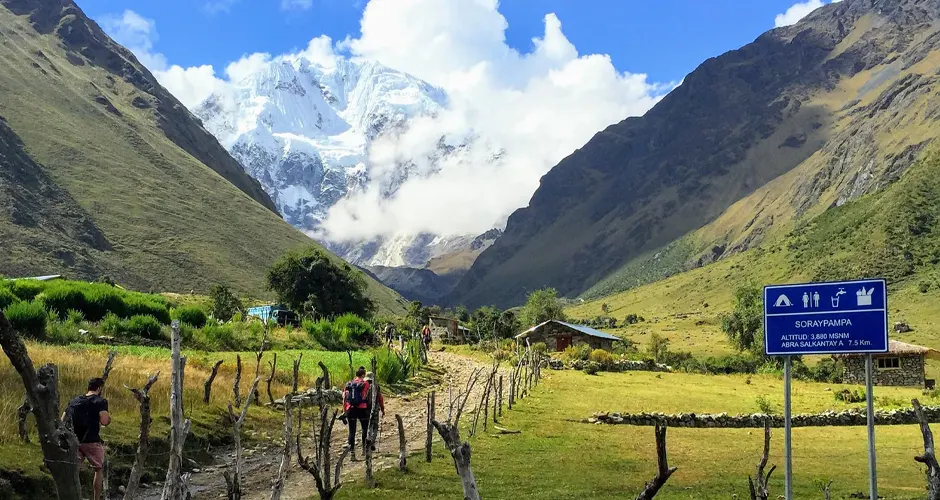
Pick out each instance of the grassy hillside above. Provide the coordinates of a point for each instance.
(893, 233)
(805, 118)
(153, 200)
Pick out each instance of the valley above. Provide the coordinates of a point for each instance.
(247, 251)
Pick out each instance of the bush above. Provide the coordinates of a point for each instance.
(27, 318)
(850, 396)
(139, 305)
(75, 317)
(323, 333)
(924, 286)
(591, 368)
(27, 289)
(144, 326)
(63, 332)
(60, 300)
(6, 298)
(111, 325)
(393, 368)
(225, 305)
(353, 329)
(766, 406)
(216, 337)
(191, 315)
(601, 357)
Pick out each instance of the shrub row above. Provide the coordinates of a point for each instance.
(93, 300)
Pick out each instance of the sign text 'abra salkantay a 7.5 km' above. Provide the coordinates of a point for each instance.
(826, 318)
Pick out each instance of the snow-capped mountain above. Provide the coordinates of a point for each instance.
(303, 128)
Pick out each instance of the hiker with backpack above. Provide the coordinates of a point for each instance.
(356, 408)
(87, 414)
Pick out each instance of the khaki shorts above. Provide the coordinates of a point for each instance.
(93, 452)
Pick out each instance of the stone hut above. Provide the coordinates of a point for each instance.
(558, 335)
(447, 330)
(902, 365)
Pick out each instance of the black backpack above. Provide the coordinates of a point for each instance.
(80, 415)
(354, 393)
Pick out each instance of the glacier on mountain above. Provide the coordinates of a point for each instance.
(303, 129)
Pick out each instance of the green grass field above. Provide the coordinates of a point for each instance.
(557, 458)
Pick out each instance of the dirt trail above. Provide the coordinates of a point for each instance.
(261, 462)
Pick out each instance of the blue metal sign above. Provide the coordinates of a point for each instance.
(826, 318)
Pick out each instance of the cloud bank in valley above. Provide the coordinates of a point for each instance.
(529, 109)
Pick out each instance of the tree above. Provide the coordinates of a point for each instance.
(462, 314)
(658, 348)
(541, 306)
(508, 324)
(309, 280)
(224, 303)
(605, 308)
(744, 326)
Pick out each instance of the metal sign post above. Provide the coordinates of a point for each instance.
(848, 317)
(872, 470)
(787, 449)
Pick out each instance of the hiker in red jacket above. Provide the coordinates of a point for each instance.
(356, 408)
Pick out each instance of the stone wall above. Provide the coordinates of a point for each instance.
(620, 365)
(852, 417)
(911, 372)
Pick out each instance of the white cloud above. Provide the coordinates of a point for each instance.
(139, 34)
(536, 107)
(798, 11)
(296, 4)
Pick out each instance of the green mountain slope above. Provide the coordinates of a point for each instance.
(893, 233)
(806, 117)
(102, 171)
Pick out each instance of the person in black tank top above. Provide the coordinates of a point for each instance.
(86, 414)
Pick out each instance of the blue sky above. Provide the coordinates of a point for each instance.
(665, 39)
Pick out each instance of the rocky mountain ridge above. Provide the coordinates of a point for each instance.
(804, 118)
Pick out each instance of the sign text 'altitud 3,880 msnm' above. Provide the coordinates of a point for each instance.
(826, 318)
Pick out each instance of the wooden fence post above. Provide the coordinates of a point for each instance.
(207, 387)
(663, 472)
(278, 487)
(402, 446)
(760, 489)
(236, 385)
(175, 487)
(460, 450)
(373, 430)
(143, 439)
(500, 396)
(929, 458)
(271, 378)
(430, 429)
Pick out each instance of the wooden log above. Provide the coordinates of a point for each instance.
(759, 490)
(236, 386)
(143, 438)
(207, 387)
(430, 428)
(662, 475)
(270, 378)
(929, 458)
(278, 487)
(402, 446)
(58, 442)
(175, 487)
